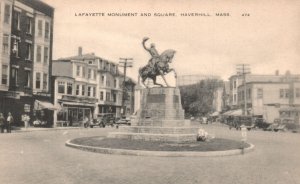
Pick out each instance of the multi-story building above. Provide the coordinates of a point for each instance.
(84, 86)
(26, 51)
(268, 98)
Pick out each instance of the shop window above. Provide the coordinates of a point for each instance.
(69, 88)
(61, 87)
(4, 74)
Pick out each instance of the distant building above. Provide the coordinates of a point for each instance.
(184, 80)
(268, 98)
(26, 29)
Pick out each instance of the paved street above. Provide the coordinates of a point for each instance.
(41, 157)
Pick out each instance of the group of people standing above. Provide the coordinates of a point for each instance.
(6, 123)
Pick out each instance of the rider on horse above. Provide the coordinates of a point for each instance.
(153, 52)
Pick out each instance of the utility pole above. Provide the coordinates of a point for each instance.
(243, 69)
(125, 62)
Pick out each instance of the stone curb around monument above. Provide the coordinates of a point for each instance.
(160, 153)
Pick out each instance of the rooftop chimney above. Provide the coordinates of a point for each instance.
(79, 51)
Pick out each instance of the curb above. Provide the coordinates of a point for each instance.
(45, 129)
(160, 153)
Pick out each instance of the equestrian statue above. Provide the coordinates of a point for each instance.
(158, 65)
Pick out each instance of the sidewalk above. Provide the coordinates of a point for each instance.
(32, 129)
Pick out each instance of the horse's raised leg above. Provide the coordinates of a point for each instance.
(155, 83)
(162, 75)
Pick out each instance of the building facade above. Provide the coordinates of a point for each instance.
(86, 85)
(26, 53)
(268, 99)
(184, 80)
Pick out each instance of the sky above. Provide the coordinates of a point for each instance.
(268, 39)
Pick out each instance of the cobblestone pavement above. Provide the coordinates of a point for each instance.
(41, 157)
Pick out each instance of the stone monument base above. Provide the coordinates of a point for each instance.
(160, 118)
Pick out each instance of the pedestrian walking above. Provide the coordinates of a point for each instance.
(10, 120)
(26, 119)
(2, 122)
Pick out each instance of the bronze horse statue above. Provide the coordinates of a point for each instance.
(158, 66)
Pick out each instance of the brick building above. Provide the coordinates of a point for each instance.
(26, 33)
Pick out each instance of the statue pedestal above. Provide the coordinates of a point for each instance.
(160, 118)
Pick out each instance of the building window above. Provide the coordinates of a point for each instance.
(69, 88)
(5, 44)
(234, 84)
(78, 70)
(28, 51)
(115, 83)
(260, 93)
(115, 97)
(102, 80)
(45, 81)
(17, 47)
(46, 55)
(17, 20)
(234, 98)
(94, 91)
(38, 80)
(40, 28)
(28, 25)
(89, 91)
(47, 30)
(281, 93)
(95, 74)
(61, 87)
(38, 53)
(77, 89)
(83, 72)
(7, 13)
(14, 76)
(4, 74)
(89, 73)
(83, 90)
(27, 78)
(108, 83)
(287, 93)
(297, 92)
(101, 95)
(107, 96)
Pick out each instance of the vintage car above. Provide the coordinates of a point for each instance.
(102, 120)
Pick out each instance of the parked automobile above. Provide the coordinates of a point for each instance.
(102, 120)
(123, 121)
(261, 123)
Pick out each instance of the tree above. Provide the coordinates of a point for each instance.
(197, 99)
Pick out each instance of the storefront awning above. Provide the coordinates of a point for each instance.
(237, 112)
(78, 104)
(216, 113)
(39, 105)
